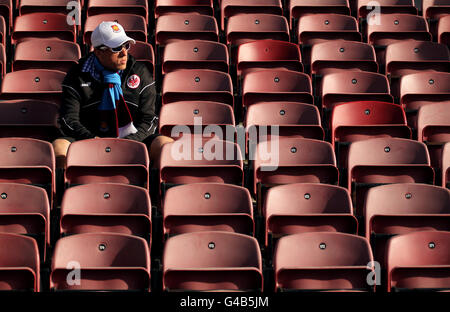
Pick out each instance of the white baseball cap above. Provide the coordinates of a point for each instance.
(110, 34)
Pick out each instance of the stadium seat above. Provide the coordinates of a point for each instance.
(106, 261)
(106, 207)
(107, 160)
(299, 8)
(434, 10)
(134, 25)
(365, 7)
(379, 161)
(207, 207)
(229, 8)
(137, 7)
(28, 161)
(3, 30)
(200, 113)
(402, 208)
(323, 261)
(45, 54)
(195, 54)
(308, 207)
(6, 12)
(443, 30)
(213, 260)
(19, 263)
(25, 210)
(37, 84)
(2, 61)
(143, 52)
(268, 54)
(446, 166)
(197, 85)
(49, 6)
(43, 25)
(166, 7)
(419, 260)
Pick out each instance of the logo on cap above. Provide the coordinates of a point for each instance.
(115, 28)
(133, 82)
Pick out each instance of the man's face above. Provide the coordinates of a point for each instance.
(112, 61)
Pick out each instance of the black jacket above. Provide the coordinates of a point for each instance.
(82, 95)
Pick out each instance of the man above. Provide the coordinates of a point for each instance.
(109, 94)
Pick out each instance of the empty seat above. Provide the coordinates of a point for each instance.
(3, 30)
(419, 260)
(43, 25)
(106, 207)
(29, 118)
(165, 7)
(293, 119)
(46, 54)
(137, 7)
(308, 207)
(2, 61)
(107, 160)
(212, 261)
(197, 85)
(403, 208)
(28, 161)
(6, 11)
(329, 56)
(185, 27)
(446, 166)
(299, 8)
(229, 8)
(195, 54)
(365, 7)
(54, 6)
(207, 207)
(323, 261)
(134, 25)
(143, 52)
(434, 10)
(267, 53)
(25, 210)
(444, 30)
(38, 84)
(19, 263)
(199, 114)
(105, 261)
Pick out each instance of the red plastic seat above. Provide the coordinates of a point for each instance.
(19, 263)
(197, 85)
(268, 54)
(212, 261)
(201, 113)
(323, 261)
(230, 8)
(25, 210)
(106, 207)
(365, 7)
(443, 30)
(195, 54)
(143, 52)
(446, 166)
(45, 54)
(106, 261)
(2, 61)
(397, 209)
(3, 30)
(134, 25)
(49, 6)
(28, 161)
(207, 207)
(419, 260)
(107, 160)
(433, 11)
(29, 119)
(299, 8)
(308, 207)
(6, 11)
(165, 7)
(136, 7)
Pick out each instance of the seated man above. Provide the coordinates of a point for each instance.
(109, 94)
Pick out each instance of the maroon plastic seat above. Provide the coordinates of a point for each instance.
(2, 61)
(213, 260)
(134, 25)
(433, 11)
(419, 260)
(323, 261)
(268, 54)
(308, 207)
(230, 8)
(143, 52)
(137, 7)
(46, 54)
(3, 30)
(107, 160)
(106, 207)
(443, 29)
(49, 6)
(25, 210)
(43, 25)
(402, 208)
(365, 7)
(299, 8)
(197, 85)
(28, 161)
(207, 207)
(195, 54)
(19, 263)
(203, 113)
(165, 7)
(446, 166)
(6, 11)
(106, 261)
(37, 84)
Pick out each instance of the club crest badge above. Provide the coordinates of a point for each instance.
(133, 81)
(115, 28)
